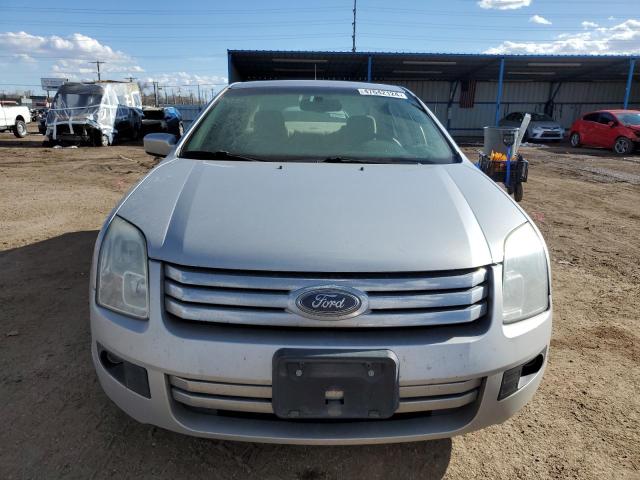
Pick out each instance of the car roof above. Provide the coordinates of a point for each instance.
(614, 110)
(337, 84)
(525, 112)
(81, 88)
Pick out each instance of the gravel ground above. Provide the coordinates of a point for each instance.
(57, 423)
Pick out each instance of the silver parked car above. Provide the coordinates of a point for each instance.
(541, 126)
(317, 262)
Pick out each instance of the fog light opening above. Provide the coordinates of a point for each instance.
(111, 359)
(128, 374)
(533, 366)
(517, 377)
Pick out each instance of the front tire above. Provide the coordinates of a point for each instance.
(623, 146)
(101, 140)
(574, 140)
(20, 129)
(518, 192)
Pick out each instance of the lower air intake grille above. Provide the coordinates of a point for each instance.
(235, 397)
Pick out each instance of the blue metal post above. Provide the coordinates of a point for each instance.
(499, 95)
(627, 92)
(369, 65)
(507, 174)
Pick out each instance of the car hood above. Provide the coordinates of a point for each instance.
(321, 217)
(549, 125)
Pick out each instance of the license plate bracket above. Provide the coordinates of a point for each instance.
(335, 384)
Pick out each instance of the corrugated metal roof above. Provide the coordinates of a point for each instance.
(486, 55)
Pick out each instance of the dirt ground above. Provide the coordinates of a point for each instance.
(55, 422)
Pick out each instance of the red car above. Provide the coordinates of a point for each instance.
(615, 129)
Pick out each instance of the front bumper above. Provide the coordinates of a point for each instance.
(546, 135)
(76, 131)
(236, 355)
(152, 125)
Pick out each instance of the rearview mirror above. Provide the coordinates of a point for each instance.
(320, 104)
(159, 144)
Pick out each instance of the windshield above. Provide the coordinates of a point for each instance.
(629, 118)
(76, 100)
(540, 117)
(319, 124)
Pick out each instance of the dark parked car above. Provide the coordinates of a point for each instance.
(618, 130)
(166, 120)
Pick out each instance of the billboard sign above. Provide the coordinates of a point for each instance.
(52, 83)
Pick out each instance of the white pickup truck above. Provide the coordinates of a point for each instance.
(14, 118)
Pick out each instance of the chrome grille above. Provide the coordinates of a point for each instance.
(262, 298)
(257, 398)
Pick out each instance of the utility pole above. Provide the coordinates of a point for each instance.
(155, 94)
(353, 35)
(199, 101)
(98, 63)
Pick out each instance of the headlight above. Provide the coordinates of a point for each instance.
(122, 270)
(525, 283)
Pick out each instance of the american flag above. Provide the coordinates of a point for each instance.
(467, 93)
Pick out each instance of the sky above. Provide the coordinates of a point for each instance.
(182, 44)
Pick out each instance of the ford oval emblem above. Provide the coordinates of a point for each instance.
(329, 303)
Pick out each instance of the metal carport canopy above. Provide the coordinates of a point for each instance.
(452, 67)
(382, 66)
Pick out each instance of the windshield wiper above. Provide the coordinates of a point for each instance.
(338, 159)
(219, 155)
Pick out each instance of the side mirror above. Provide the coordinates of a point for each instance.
(159, 144)
(611, 124)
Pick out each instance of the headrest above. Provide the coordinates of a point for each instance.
(361, 127)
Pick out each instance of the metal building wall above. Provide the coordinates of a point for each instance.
(572, 100)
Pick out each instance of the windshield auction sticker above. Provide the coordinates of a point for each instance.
(381, 93)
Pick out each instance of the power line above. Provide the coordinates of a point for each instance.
(294, 10)
(198, 12)
(189, 25)
(55, 57)
(239, 37)
(242, 25)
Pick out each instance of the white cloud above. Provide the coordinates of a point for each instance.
(540, 20)
(504, 4)
(587, 24)
(623, 39)
(24, 58)
(70, 55)
(184, 81)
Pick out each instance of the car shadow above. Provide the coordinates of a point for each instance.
(564, 148)
(58, 422)
(36, 140)
(33, 140)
